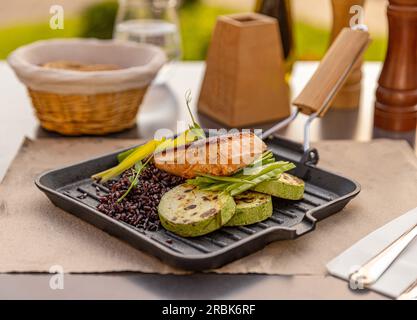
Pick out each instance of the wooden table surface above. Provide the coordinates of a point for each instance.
(163, 106)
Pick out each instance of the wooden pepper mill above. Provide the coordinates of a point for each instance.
(349, 95)
(396, 96)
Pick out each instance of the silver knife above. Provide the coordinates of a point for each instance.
(372, 270)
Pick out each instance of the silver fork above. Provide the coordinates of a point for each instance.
(371, 271)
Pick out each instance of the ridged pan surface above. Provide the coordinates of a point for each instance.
(325, 194)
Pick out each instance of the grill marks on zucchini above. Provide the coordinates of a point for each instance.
(286, 186)
(191, 212)
(251, 207)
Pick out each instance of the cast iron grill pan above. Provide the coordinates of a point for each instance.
(326, 193)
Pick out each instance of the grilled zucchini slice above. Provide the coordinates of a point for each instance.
(286, 186)
(190, 212)
(251, 207)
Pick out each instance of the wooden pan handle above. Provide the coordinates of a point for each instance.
(332, 72)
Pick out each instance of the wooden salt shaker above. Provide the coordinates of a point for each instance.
(396, 96)
(349, 95)
(244, 81)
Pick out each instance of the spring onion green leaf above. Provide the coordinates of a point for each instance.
(223, 178)
(268, 175)
(235, 184)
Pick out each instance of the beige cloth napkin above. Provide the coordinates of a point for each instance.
(35, 235)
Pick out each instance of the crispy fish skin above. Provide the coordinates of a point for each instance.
(220, 155)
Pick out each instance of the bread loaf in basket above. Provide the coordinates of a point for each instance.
(100, 96)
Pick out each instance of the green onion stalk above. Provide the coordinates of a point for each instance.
(235, 184)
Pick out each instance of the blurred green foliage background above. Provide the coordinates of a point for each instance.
(197, 22)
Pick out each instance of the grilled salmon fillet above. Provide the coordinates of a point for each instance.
(220, 155)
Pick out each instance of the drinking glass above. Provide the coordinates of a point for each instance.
(150, 21)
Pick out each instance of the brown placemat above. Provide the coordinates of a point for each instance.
(35, 235)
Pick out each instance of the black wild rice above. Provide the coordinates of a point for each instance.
(140, 207)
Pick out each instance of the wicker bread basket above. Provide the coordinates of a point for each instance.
(74, 102)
